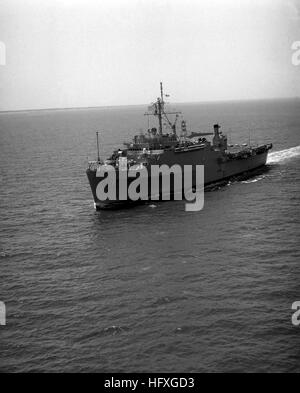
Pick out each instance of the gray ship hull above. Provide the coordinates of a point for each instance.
(217, 167)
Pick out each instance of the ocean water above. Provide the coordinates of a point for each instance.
(151, 288)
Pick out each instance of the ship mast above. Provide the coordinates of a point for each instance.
(98, 150)
(160, 106)
(161, 92)
(160, 112)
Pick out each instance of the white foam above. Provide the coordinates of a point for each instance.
(253, 180)
(283, 155)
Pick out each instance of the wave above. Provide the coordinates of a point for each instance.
(283, 155)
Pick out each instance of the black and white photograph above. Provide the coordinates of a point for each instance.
(149, 189)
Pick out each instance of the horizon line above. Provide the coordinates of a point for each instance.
(131, 105)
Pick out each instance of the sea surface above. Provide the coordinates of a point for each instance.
(152, 288)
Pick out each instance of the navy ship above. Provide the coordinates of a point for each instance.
(221, 160)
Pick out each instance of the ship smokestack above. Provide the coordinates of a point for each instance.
(216, 129)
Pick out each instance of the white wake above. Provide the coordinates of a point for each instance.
(283, 155)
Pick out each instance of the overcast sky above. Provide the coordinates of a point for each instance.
(96, 52)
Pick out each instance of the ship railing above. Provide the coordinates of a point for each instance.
(94, 165)
(194, 146)
(119, 165)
